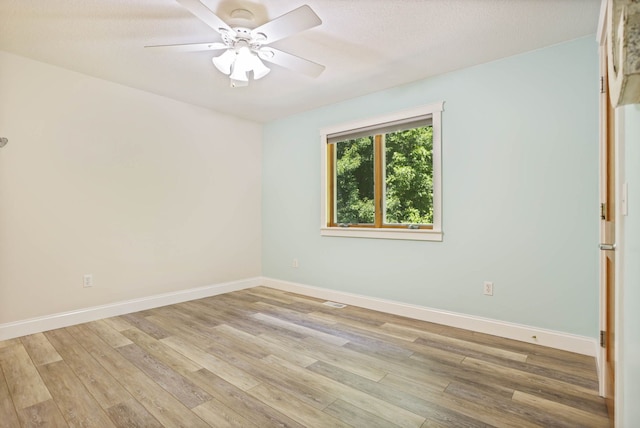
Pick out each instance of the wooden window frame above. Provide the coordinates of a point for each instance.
(379, 229)
(379, 164)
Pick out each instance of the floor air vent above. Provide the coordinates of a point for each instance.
(335, 305)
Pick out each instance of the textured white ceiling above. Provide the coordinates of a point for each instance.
(366, 45)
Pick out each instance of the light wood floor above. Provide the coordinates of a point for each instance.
(264, 358)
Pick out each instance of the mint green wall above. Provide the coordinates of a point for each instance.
(629, 371)
(520, 189)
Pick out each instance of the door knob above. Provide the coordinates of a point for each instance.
(608, 247)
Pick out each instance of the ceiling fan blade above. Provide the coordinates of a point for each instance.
(292, 62)
(202, 10)
(190, 47)
(290, 23)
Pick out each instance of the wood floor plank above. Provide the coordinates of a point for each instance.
(272, 293)
(208, 333)
(22, 377)
(556, 390)
(336, 340)
(463, 347)
(109, 334)
(295, 316)
(497, 376)
(78, 406)
(241, 402)
(103, 385)
(39, 349)
(161, 351)
(357, 398)
(493, 397)
(428, 404)
(191, 314)
(568, 413)
(355, 416)
(117, 323)
(307, 348)
(175, 325)
(566, 365)
(249, 325)
(45, 414)
(366, 335)
(433, 424)
(139, 321)
(131, 414)
(574, 378)
(265, 346)
(181, 388)
(226, 371)
(8, 413)
(438, 385)
(270, 374)
(218, 415)
(296, 409)
(199, 310)
(9, 342)
(402, 332)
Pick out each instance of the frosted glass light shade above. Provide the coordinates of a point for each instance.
(242, 65)
(239, 74)
(224, 61)
(259, 69)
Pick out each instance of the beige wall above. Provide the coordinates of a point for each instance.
(148, 194)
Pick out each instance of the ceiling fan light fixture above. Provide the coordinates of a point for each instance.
(259, 69)
(243, 42)
(224, 61)
(243, 64)
(239, 75)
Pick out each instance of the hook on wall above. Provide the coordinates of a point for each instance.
(3, 141)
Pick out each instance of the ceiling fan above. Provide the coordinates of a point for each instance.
(245, 48)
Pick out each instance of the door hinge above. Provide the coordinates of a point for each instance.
(602, 84)
(603, 339)
(603, 211)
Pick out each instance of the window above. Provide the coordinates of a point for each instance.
(381, 177)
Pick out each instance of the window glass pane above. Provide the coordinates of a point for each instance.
(354, 181)
(409, 176)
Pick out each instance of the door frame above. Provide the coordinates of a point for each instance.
(602, 35)
(602, 198)
(602, 156)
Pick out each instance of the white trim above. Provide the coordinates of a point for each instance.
(435, 234)
(550, 338)
(602, 157)
(554, 339)
(602, 23)
(65, 319)
(360, 232)
(384, 118)
(619, 361)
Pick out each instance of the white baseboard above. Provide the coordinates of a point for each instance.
(65, 319)
(554, 339)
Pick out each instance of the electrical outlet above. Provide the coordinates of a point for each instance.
(488, 288)
(87, 280)
(294, 263)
